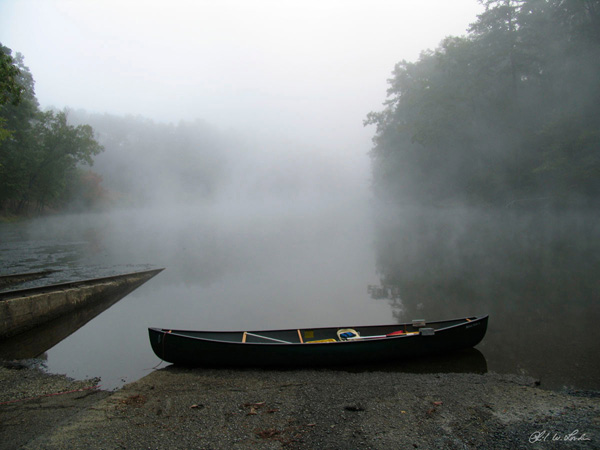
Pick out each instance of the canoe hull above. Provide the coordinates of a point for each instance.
(179, 348)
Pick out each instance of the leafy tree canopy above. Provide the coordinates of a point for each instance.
(10, 89)
(508, 114)
(40, 151)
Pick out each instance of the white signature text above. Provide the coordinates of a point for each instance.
(544, 435)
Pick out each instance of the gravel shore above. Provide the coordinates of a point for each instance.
(179, 408)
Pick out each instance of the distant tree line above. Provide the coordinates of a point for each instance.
(40, 152)
(147, 162)
(136, 161)
(507, 115)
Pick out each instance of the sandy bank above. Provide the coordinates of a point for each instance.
(177, 408)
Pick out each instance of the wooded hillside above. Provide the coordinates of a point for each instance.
(507, 115)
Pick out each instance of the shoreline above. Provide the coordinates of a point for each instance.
(177, 407)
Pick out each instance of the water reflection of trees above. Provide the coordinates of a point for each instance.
(535, 273)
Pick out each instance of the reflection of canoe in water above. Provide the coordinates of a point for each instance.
(468, 360)
(317, 346)
(24, 309)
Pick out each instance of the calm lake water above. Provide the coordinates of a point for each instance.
(307, 263)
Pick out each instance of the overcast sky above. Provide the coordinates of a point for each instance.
(304, 69)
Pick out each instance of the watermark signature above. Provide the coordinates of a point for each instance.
(547, 436)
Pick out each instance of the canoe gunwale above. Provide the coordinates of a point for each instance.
(365, 339)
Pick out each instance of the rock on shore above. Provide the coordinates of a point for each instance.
(178, 408)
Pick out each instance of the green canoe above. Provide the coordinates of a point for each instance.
(316, 346)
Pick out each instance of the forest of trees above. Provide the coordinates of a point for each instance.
(508, 115)
(40, 152)
(136, 161)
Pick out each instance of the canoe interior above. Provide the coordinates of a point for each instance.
(312, 335)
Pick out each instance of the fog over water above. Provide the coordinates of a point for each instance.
(236, 158)
(242, 264)
(265, 238)
(303, 72)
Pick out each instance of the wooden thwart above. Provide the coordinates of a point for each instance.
(263, 337)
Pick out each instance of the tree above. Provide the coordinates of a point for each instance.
(85, 191)
(21, 105)
(57, 150)
(10, 89)
(16, 118)
(40, 150)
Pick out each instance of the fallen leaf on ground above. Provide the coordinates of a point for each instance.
(267, 434)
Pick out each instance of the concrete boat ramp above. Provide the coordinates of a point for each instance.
(25, 309)
(18, 278)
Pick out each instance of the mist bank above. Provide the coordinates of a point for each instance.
(147, 163)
